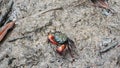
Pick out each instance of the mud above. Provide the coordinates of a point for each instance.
(26, 45)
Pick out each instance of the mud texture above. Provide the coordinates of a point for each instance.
(96, 36)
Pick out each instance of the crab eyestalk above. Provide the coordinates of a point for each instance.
(61, 49)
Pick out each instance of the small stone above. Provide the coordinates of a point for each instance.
(106, 12)
(52, 60)
(106, 41)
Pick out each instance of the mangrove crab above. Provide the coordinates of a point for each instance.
(62, 42)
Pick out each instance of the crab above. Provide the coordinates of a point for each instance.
(62, 42)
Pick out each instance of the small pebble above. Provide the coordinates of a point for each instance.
(52, 60)
(106, 12)
(106, 41)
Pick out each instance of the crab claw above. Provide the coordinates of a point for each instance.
(61, 49)
(51, 39)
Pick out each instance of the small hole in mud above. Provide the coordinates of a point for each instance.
(7, 56)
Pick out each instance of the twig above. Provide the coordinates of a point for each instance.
(78, 21)
(19, 38)
(47, 10)
(4, 17)
(109, 47)
(5, 29)
(35, 30)
(42, 12)
(40, 28)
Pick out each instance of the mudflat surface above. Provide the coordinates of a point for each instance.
(91, 31)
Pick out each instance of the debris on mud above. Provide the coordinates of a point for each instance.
(92, 33)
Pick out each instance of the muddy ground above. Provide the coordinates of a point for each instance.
(92, 31)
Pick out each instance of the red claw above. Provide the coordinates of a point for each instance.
(61, 49)
(51, 39)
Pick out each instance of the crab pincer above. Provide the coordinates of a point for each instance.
(61, 49)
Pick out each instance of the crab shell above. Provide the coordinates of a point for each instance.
(60, 37)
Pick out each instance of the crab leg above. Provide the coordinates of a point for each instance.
(5, 29)
(69, 49)
(71, 43)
